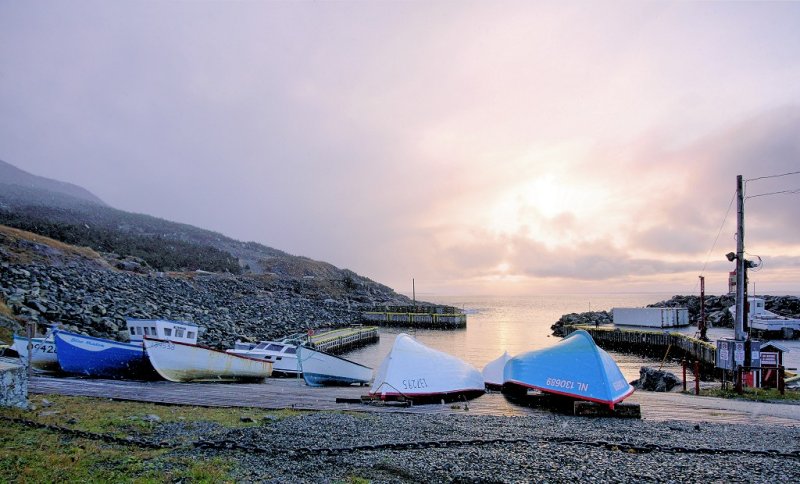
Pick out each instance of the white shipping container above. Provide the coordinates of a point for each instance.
(651, 317)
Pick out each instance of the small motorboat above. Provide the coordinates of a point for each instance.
(100, 357)
(281, 354)
(43, 351)
(320, 368)
(105, 358)
(185, 362)
(575, 367)
(413, 371)
(493, 372)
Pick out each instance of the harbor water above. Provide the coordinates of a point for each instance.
(518, 324)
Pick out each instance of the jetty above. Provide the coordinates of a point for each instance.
(650, 342)
(341, 340)
(432, 317)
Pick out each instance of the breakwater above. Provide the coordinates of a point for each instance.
(433, 317)
(651, 343)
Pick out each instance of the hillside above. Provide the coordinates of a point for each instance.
(66, 257)
(47, 281)
(75, 216)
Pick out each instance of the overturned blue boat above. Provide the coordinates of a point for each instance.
(98, 357)
(575, 367)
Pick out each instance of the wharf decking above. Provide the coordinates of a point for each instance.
(294, 394)
(345, 339)
(435, 317)
(655, 342)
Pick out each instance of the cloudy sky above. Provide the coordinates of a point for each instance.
(478, 147)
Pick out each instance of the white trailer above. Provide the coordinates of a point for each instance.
(651, 317)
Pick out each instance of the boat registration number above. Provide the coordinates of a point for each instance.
(567, 384)
(414, 383)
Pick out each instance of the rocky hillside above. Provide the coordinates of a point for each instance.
(46, 281)
(74, 216)
(717, 313)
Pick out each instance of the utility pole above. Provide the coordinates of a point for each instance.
(702, 324)
(741, 266)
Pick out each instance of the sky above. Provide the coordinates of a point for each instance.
(474, 147)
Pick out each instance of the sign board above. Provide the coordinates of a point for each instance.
(769, 359)
(725, 354)
(738, 352)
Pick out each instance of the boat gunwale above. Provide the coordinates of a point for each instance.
(574, 395)
(94, 338)
(159, 340)
(333, 356)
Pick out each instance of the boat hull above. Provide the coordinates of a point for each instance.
(321, 369)
(415, 372)
(43, 354)
(493, 372)
(98, 357)
(183, 362)
(576, 368)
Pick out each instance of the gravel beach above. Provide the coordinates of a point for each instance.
(558, 449)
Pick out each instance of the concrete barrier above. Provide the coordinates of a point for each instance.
(13, 385)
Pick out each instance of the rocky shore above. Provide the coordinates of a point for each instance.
(44, 284)
(716, 308)
(557, 449)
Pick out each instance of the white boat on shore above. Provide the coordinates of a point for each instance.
(184, 362)
(281, 354)
(43, 352)
(320, 368)
(413, 371)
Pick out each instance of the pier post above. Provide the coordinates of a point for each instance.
(683, 364)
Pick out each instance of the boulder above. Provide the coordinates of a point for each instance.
(654, 380)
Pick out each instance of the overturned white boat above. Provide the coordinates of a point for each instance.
(493, 372)
(320, 368)
(184, 362)
(413, 371)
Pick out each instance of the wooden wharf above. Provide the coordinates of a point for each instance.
(651, 343)
(291, 393)
(434, 317)
(344, 339)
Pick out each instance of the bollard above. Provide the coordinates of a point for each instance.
(683, 364)
(696, 377)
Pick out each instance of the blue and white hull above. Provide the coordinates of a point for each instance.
(98, 357)
(320, 368)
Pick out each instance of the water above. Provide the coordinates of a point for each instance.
(515, 324)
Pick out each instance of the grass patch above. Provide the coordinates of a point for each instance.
(38, 455)
(15, 235)
(753, 394)
(102, 415)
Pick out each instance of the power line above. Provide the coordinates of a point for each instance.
(708, 256)
(794, 190)
(773, 176)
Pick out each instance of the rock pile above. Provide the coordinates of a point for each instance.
(94, 300)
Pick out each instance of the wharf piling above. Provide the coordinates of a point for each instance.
(434, 317)
(650, 343)
(345, 339)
